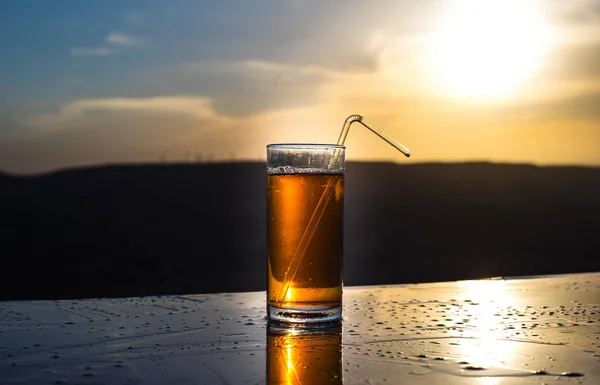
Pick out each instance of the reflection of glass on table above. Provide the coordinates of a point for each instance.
(304, 357)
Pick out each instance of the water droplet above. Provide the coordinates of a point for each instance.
(571, 374)
(472, 367)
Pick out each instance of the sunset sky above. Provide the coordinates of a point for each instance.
(94, 82)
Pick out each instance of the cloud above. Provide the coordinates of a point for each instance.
(577, 60)
(117, 43)
(122, 39)
(572, 109)
(82, 109)
(579, 11)
(237, 88)
(238, 106)
(141, 129)
(93, 131)
(97, 51)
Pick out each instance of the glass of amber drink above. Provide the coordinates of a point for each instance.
(305, 211)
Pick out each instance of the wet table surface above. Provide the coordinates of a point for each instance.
(539, 330)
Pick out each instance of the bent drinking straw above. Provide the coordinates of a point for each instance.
(358, 118)
(313, 223)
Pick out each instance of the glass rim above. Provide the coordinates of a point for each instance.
(305, 146)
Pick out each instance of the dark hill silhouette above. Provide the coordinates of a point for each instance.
(185, 228)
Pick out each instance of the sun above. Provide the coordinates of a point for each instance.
(487, 49)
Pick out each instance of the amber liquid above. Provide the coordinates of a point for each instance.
(304, 359)
(316, 283)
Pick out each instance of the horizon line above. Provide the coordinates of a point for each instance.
(183, 163)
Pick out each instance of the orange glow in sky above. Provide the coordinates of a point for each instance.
(463, 80)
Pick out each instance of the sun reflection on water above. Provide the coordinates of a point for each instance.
(487, 345)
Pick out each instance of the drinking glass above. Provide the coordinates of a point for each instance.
(305, 211)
